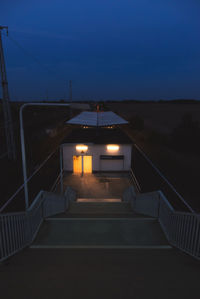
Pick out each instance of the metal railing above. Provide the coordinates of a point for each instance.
(129, 193)
(134, 181)
(169, 188)
(28, 180)
(146, 203)
(182, 229)
(18, 230)
(14, 234)
(57, 183)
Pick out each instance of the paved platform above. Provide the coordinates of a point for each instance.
(99, 185)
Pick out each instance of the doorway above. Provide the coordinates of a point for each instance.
(82, 164)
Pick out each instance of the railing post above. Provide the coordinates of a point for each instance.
(134, 199)
(42, 199)
(1, 237)
(198, 244)
(159, 203)
(28, 228)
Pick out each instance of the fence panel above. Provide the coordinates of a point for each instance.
(70, 195)
(181, 229)
(147, 204)
(13, 234)
(53, 204)
(17, 230)
(129, 195)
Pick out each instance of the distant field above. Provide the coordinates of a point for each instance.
(181, 169)
(160, 116)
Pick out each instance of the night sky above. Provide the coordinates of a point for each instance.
(110, 49)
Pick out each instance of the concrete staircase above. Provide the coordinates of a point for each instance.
(101, 232)
(100, 250)
(103, 208)
(99, 209)
(100, 224)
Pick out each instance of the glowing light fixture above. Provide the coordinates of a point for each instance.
(112, 147)
(81, 147)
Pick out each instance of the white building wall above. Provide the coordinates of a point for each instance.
(94, 150)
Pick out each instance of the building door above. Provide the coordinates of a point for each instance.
(82, 161)
(77, 164)
(87, 164)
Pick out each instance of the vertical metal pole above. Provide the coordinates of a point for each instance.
(61, 169)
(70, 98)
(82, 165)
(6, 104)
(23, 150)
(23, 144)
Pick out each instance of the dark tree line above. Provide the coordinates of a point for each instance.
(186, 136)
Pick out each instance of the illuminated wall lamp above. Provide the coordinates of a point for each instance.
(81, 147)
(112, 147)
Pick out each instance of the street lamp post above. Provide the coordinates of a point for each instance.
(23, 144)
(82, 165)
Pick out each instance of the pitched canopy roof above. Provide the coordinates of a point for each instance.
(97, 119)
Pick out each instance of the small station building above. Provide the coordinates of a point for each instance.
(97, 145)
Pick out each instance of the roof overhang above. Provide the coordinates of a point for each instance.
(97, 119)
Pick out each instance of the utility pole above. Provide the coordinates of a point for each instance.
(47, 95)
(6, 103)
(70, 91)
(70, 98)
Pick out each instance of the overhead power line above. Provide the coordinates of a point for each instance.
(34, 58)
(30, 55)
(11, 148)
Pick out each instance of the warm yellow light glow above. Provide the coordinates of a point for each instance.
(81, 147)
(87, 164)
(112, 147)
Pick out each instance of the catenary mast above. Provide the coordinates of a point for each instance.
(70, 91)
(6, 103)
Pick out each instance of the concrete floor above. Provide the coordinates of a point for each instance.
(97, 274)
(96, 186)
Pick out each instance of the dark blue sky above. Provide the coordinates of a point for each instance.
(110, 49)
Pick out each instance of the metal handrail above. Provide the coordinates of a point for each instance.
(135, 181)
(29, 178)
(56, 182)
(23, 151)
(18, 230)
(182, 229)
(164, 178)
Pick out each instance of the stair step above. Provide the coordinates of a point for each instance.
(100, 207)
(96, 200)
(63, 232)
(98, 215)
